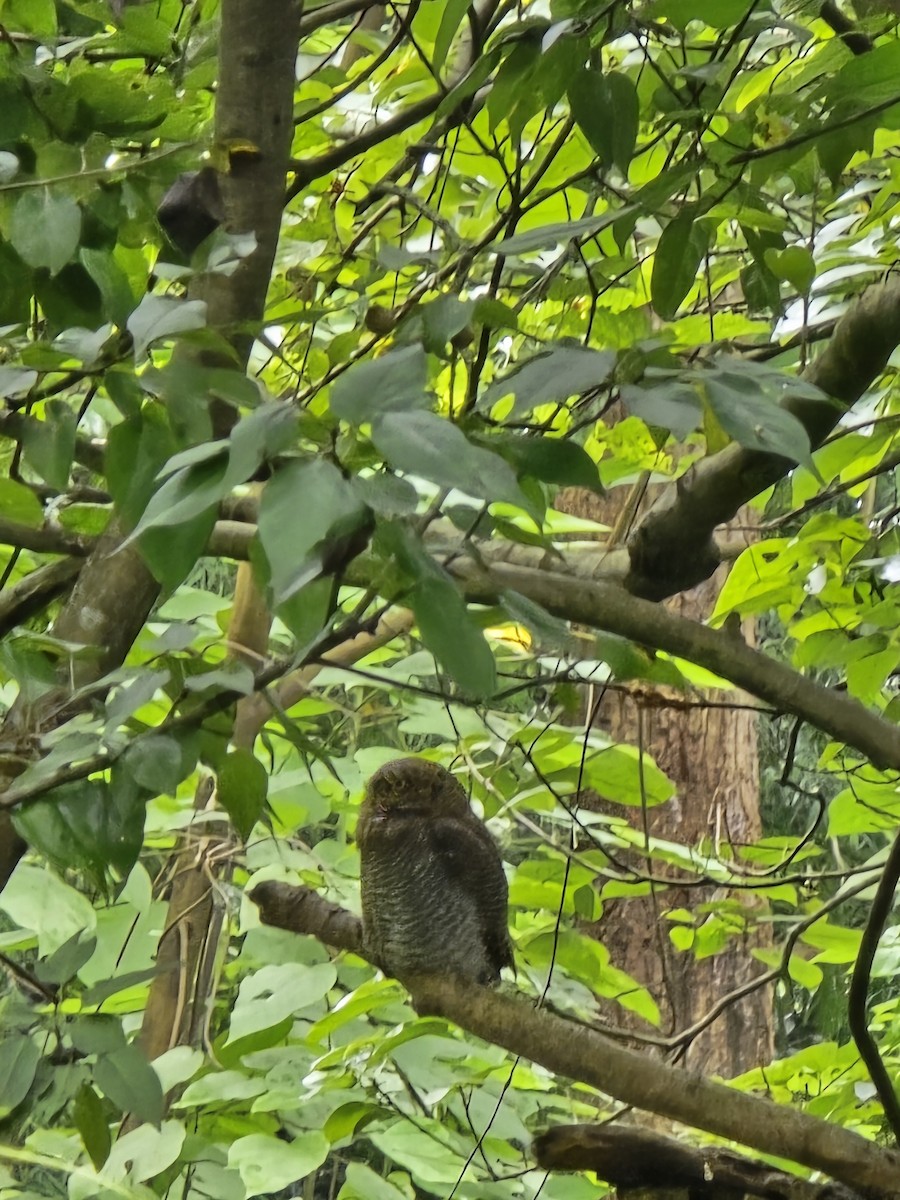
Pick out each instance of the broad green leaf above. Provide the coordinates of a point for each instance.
(136, 450)
(127, 1079)
(267, 1164)
(256, 438)
(557, 234)
(155, 763)
(19, 1058)
(147, 1151)
(114, 285)
(242, 785)
(423, 444)
(45, 228)
(551, 377)
(674, 406)
(590, 103)
(453, 14)
(96, 1034)
(91, 1123)
(453, 637)
(423, 1150)
(37, 899)
(549, 630)
(19, 504)
(679, 254)
(794, 264)
(16, 381)
(65, 963)
(190, 493)
(272, 993)
(172, 553)
(159, 317)
(443, 319)
(50, 444)
(752, 419)
(387, 494)
(221, 1087)
(88, 825)
(395, 382)
(311, 522)
(552, 460)
(362, 1183)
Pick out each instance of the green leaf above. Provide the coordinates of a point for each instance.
(311, 523)
(90, 1121)
(19, 1058)
(794, 264)
(430, 447)
(190, 493)
(220, 1087)
(674, 406)
(65, 963)
(558, 233)
(19, 504)
(127, 1079)
(155, 763)
(136, 449)
(45, 228)
(395, 382)
(15, 381)
(552, 460)
(605, 105)
(451, 18)
(623, 100)
(243, 784)
(386, 494)
(272, 993)
(144, 1153)
(172, 553)
(552, 377)
(680, 251)
(443, 319)
(453, 637)
(87, 825)
(50, 444)
(112, 282)
(159, 317)
(495, 314)
(267, 1164)
(362, 1183)
(96, 1034)
(753, 419)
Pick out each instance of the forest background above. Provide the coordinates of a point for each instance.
(485, 382)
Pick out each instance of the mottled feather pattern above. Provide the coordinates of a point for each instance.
(434, 895)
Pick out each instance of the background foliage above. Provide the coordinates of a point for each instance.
(523, 247)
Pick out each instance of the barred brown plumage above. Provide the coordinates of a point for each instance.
(434, 895)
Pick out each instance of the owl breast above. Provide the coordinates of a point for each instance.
(428, 905)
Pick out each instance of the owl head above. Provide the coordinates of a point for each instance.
(414, 787)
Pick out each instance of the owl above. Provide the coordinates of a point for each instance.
(434, 894)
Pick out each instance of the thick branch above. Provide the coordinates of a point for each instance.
(572, 1050)
(636, 1158)
(672, 548)
(609, 607)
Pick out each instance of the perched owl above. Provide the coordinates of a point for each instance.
(433, 890)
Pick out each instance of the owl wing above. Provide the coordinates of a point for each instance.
(472, 861)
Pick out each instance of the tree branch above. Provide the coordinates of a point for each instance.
(566, 1048)
(859, 988)
(636, 1158)
(672, 547)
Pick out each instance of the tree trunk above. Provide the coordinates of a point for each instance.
(708, 748)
